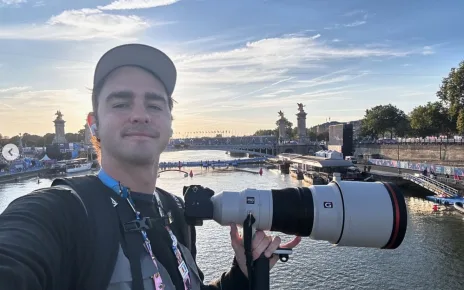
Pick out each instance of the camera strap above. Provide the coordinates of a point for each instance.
(141, 224)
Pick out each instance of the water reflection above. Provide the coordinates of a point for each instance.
(429, 258)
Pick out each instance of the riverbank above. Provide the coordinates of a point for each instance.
(21, 175)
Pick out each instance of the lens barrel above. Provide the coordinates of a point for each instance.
(345, 213)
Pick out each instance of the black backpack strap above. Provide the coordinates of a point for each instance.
(97, 264)
(132, 242)
(176, 205)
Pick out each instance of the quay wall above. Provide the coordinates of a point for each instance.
(21, 175)
(447, 154)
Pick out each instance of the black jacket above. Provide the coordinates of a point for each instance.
(49, 240)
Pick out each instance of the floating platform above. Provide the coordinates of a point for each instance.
(444, 200)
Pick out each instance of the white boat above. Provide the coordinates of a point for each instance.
(78, 165)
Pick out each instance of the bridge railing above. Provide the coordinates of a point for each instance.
(432, 185)
(441, 185)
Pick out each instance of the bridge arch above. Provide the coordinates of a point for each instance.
(251, 149)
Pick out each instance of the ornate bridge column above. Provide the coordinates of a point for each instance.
(282, 133)
(301, 117)
(59, 129)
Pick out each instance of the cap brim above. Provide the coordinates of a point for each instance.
(147, 57)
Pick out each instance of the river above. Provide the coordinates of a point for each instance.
(431, 256)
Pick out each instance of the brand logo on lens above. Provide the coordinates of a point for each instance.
(250, 200)
(328, 204)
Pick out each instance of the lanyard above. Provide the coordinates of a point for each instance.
(125, 194)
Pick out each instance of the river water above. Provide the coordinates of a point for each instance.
(431, 256)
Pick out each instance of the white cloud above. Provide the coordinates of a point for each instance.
(11, 2)
(268, 70)
(427, 50)
(83, 24)
(39, 3)
(356, 23)
(136, 4)
(12, 89)
(355, 12)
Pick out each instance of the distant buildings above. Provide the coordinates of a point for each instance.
(324, 127)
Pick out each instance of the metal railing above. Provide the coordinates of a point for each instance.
(434, 186)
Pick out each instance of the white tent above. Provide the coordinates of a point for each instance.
(45, 158)
(330, 154)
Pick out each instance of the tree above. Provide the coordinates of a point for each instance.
(384, 119)
(311, 134)
(460, 122)
(324, 136)
(431, 119)
(266, 132)
(49, 138)
(451, 92)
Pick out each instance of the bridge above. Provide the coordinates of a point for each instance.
(258, 149)
(264, 150)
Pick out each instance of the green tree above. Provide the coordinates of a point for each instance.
(266, 132)
(431, 119)
(451, 91)
(49, 138)
(383, 119)
(324, 136)
(311, 134)
(460, 122)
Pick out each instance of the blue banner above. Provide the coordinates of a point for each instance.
(437, 168)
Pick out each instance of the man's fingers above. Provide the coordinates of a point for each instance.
(261, 247)
(235, 238)
(273, 260)
(257, 239)
(272, 247)
(293, 243)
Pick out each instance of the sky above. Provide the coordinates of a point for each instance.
(239, 62)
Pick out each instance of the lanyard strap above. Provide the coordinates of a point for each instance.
(124, 193)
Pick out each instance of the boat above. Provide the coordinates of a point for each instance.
(297, 174)
(76, 165)
(74, 168)
(319, 169)
(459, 206)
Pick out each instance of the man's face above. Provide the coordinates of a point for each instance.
(134, 119)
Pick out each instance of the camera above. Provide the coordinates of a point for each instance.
(344, 213)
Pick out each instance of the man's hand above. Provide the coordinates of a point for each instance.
(262, 243)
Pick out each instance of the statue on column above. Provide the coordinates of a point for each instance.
(59, 115)
(282, 127)
(301, 125)
(59, 129)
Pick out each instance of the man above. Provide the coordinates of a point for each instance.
(52, 240)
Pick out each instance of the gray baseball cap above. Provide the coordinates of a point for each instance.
(147, 57)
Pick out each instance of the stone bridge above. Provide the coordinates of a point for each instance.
(265, 150)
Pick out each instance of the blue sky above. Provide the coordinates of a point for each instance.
(239, 62)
